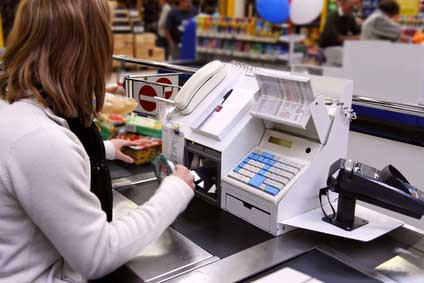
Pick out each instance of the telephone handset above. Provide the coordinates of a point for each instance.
(205, 80)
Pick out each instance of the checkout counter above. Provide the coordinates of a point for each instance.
(260, 173)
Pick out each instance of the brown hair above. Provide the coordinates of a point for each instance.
(63, 47)
(389, 7)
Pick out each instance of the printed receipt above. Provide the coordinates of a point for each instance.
(283, 98)
(173, 145)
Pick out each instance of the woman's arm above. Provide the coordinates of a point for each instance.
(50, 177)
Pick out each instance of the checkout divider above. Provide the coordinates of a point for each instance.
(209, 244)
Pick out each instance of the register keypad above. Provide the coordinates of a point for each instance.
(266, 171)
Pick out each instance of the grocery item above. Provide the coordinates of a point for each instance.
(117, 119)
(106, 128)
(418, 37)
(146, 149)
(144, 126)
(117, 104)
(162, 167)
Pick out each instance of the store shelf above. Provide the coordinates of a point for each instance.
(215, 51)
(292, 38)
(295, 57)
(215, 35)
(264, 39)
(121, 29)
(244, 55)
(138, 29)
(133, 14)
(250, 38)
(120, 20)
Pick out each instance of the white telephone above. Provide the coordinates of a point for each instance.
(204, 81)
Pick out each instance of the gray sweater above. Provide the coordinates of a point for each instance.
(52, 228)
(378, 26)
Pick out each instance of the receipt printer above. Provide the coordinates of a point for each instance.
(387, 188)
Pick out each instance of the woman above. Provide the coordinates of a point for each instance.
(52, 227)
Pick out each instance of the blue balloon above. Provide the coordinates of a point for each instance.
(274, 11)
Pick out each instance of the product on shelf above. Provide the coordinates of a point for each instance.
(229, 27)
(412, 25)
(418, 37)
(245, 38)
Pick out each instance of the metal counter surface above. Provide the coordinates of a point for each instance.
(171, 254)
(178, 257)
(219, 232)
(386, 259)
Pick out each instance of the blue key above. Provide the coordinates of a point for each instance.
(268, 155)
(251, 155)
(257, 181)
(266, 167)
(266, 160)
(271, 190)
(271, 162)
(261, 159)
(262, 172)
(246, 160)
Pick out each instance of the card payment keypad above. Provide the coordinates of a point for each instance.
(266, 171)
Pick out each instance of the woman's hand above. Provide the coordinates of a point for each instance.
(119, 144)
(184, 174)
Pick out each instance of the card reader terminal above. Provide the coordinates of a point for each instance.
(266, 171)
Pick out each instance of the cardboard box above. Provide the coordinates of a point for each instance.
(154, 54)
(124, 44)
(145, 41)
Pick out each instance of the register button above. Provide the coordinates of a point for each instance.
(271, 190)
(257, 181)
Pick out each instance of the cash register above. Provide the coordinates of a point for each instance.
(259, 141)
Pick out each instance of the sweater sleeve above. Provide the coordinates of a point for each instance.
(50, 177)
(110, 150)
(385, 28)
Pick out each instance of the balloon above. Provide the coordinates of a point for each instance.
(274, 11)
(305, 11)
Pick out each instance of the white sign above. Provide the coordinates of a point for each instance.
(144, 92)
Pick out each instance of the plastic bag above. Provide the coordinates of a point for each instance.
(117, 104)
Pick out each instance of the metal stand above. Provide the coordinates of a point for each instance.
(345, 215)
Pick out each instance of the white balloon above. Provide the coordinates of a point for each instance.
(305, 11)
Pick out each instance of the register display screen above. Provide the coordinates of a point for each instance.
(280, 142)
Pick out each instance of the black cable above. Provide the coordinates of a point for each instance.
(322, 192)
